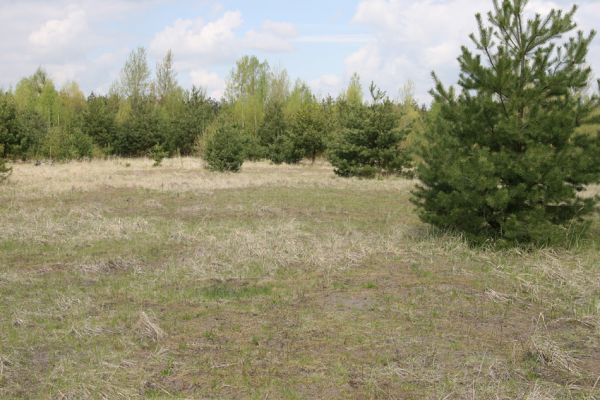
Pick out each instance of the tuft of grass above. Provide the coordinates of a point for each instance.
(227, 291)
(149, 329)
(549, 353)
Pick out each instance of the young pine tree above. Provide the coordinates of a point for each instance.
(274, 136)
(9, 132)
(370, 142)
(99, 121)
(309, 130)
(224, 150)
(503, 159)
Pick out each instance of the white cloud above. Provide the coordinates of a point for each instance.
(207, 43)
(212, 82)
(62, 36)
(327, 84)
(284, 29)
(272, 37)
(199, 45)
(57, 33)
(63, 73)
(334, 39)
(394, 40)
(412, 38)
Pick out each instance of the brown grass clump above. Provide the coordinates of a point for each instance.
(539, 394)
(551, 354)
(149, 329)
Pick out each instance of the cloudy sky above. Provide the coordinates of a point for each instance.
(320, 41)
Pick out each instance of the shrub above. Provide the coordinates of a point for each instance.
(308, 131)
(273, 133)
(503, 159)
(253, 151)
(32, 130)
(224, 148)
(5, 171)
(284, 149)
(99, 120)
(370, 142)
(61, 145)
(157, 154)
(9, 132)
(140, 129)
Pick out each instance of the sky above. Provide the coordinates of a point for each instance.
(322, 42)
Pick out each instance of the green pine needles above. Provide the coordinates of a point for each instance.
(370, 142)
(503, 159)
(225, 150)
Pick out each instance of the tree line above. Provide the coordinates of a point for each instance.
(263, 115)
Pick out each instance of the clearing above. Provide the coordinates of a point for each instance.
(119, 280)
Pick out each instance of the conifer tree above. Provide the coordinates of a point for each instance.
(195, 114)
(308, 131)
(9, 132)
(99, 121)
(140, 131)
(274, 135)
(503, 158)
(369, 143)
(225, 150)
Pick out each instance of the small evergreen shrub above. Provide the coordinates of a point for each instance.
(157, 154)
(308, 130)
(61, 145)
(5, 171)
(224, 149)
(273, 134)
(370, 142)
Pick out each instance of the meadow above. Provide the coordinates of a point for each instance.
(119, 280)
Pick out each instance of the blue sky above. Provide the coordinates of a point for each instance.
(321, 42)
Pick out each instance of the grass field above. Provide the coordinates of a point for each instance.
(119, 280)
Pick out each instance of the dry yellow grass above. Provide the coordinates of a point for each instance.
(121, 281)
(178, 175)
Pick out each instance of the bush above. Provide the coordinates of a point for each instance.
(157, 154)
(99, 120)
(308, 131)
(289, 142)
(284, 149)
(224, 149)
(253, 151)
(61, 145)
(9, 132)
(503, 159)
(272, 133)
(370, 143)
(5, 171)
(32, 131)
(141, 129)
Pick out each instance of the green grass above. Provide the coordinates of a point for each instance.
(225, 291)
(289, 288)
